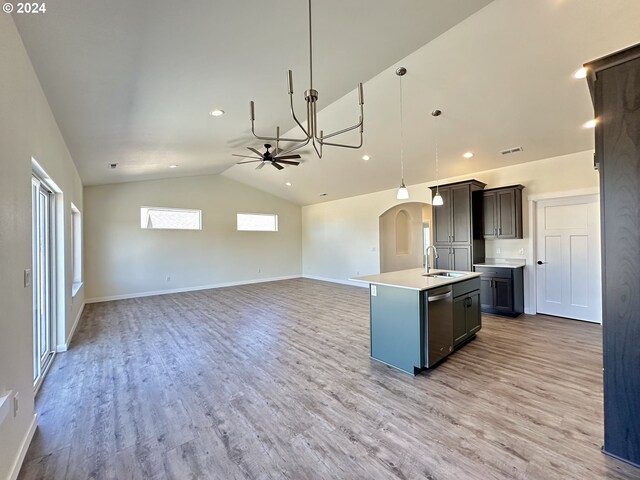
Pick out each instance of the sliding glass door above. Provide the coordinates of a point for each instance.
(42, 201)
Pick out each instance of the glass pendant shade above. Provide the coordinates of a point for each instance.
(437, 200)
(403, 193)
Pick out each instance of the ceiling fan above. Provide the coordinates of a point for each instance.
(269, 157)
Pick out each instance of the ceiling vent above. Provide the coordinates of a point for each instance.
(511, 150)
(113, 166)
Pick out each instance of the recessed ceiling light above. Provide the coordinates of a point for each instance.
(216, 112)
(288, 184)
(467, 154)
(173, 166)
(366, 157)
(590, 124)
(580, 73)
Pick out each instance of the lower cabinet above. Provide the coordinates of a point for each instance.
(466, 311)
(466, 317)
(501, 290)
(453, 257)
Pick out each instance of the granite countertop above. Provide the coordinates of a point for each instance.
(414, 279)
(502, 263)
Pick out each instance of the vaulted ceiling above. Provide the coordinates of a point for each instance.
(132, 82)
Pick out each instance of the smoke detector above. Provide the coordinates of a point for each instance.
(113, 166)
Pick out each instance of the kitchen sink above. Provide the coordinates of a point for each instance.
(444, 275)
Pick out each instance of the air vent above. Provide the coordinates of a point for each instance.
(511, 150)
(113, 166)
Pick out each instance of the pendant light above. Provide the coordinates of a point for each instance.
(403, 193)
(437, 199)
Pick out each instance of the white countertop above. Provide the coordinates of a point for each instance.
(502, 263)
(413, 279)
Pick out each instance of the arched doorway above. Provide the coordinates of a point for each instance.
(404, 235)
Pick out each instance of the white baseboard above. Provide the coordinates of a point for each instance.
(187, 289)
(17, 464)
(65, 346)
(337, 280)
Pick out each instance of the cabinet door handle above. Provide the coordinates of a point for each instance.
(500, 231)
(495, 231)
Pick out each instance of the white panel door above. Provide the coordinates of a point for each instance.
(568, 263)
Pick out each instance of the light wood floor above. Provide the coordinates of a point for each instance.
(274, 381)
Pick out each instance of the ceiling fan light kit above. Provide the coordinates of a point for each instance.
(437, 198)
(311, 133)
(275, 158)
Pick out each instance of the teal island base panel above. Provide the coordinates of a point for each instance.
(396, 327)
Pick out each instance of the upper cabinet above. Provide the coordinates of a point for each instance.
(457, 231)
(502, 212)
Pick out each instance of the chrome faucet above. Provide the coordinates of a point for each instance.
(435, 256)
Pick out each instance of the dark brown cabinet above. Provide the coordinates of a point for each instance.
(501, 290)
(502, 212)
(457, 225)
(453, 258)
(466, 311)
(614, 82)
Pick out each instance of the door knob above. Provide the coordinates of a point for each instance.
(540, 262)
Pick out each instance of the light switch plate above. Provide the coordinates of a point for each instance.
(374, 290)
(27, 278)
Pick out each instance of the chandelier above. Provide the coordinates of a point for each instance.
(311, 133)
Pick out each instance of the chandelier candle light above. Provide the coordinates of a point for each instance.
(437, 199)
(403, 193)
(311, 130)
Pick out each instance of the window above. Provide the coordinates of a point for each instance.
(170, 218)
(258, 222)
(76, 248)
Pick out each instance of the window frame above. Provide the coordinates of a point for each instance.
(76, 249)
(144, 226)
(274, 216)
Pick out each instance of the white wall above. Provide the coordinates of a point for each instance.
(340, 238)
(124, 260)
(27, 129)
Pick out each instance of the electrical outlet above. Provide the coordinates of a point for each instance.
(27, 278)
(498, 250)
(168, 278)
(16, 404)
(521, 251)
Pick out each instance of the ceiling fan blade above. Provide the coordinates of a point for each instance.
(260, 166)
(287, 162)
(245, 156)
(279, 167)
(286, 157)
(248, 161)
(255, 151)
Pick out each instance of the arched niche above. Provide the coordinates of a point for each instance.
(402, 236)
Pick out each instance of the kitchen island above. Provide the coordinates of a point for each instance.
(418, 319)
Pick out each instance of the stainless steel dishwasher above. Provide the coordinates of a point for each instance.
(438, 328)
